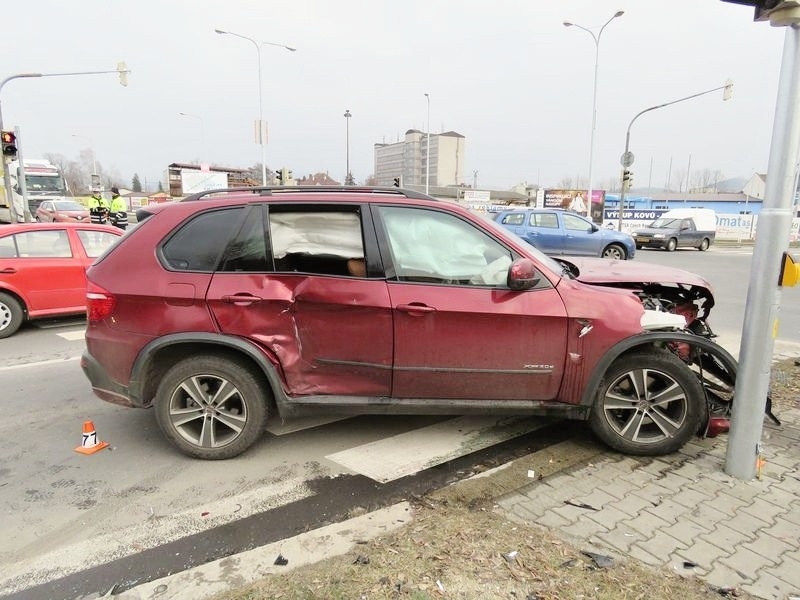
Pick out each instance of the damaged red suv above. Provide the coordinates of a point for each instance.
(233, 307)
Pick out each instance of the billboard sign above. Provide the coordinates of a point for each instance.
(575, 201)
(202, 181)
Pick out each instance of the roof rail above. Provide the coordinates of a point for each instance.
(271, 190)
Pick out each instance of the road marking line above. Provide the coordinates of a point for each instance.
(40, 363)
(408, 453)
(73, 336)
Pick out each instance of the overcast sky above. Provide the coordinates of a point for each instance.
(506, 74)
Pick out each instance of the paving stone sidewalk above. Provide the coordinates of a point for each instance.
(684, 512)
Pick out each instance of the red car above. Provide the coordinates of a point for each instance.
(43, 269)
(280, 302)
(62, 211)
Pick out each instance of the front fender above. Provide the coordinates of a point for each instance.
(650, 339)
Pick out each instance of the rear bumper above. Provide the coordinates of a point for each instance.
(102, 385)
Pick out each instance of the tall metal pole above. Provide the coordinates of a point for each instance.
(262, 134)
(121, 70)
(763, 294)
(428, 147)
(348, 180)
(627, 157)
(596, 39)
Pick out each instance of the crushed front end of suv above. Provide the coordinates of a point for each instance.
(233, 307)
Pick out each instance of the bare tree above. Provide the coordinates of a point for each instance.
(565, 183)
(678, 179)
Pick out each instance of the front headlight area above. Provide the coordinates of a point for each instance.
(653, 320)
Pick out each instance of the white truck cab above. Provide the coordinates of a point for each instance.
(43, 181)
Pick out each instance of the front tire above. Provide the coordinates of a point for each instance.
(11, 315)
(649, 404)
(672, 244)
(211, 407)
(615, 251)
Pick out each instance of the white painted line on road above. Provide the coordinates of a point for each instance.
(278, 427)
(40, 363)
(73, 336)
(408, 453)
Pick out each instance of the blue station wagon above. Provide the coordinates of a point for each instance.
(559, 232)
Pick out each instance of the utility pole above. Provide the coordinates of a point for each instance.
(744, 451)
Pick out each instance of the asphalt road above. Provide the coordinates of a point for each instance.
(79, 524)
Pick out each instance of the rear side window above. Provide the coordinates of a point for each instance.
(7, 247)
(513, 219)
(199, 243)
(546, 220)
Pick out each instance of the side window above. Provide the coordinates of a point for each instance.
(514, 219)
(428, 246)
(248, 251)
(199, 243)
(574, 223)
(43, 244)
(96, 242)
(313, 240)
(546, 220)
(8, 249)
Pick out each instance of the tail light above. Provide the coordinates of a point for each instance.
(99, 303)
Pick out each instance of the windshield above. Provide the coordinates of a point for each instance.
(665, 224)
(44, 184)
(68, 205)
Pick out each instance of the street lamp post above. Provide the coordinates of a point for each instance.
(627, 156)
(202, 127)
(121, 70)
(348, 179)
(428, 147)
(262, 134)
(596, 39)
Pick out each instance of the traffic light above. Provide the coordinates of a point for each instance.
(9, 144)
(279, 176)
(396, 182)
(627, 179)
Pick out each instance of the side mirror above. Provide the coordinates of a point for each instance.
(522, 275)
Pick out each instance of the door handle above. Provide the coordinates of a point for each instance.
(8, 271)
(416, 310)
(241, 299)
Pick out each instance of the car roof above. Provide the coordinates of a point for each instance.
(290, 194)
(20, 227)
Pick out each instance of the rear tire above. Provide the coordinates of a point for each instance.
(11, 315)
(211, 407)
(671, 245)
(704, 245)
(649, 403)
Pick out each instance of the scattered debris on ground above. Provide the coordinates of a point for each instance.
(462, 547)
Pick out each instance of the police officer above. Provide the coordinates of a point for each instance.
(119, 210)
(98, 208)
